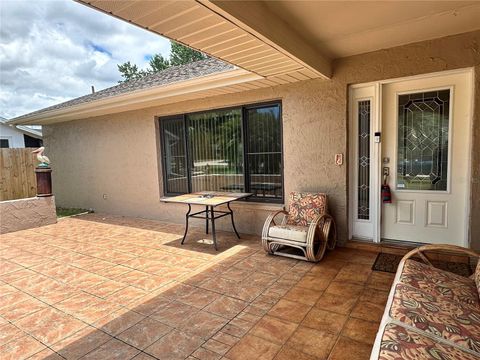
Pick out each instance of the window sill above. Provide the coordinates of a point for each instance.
(256, 206)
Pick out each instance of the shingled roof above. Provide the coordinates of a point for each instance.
(174, 74)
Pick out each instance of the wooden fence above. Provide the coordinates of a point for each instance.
(17, 174)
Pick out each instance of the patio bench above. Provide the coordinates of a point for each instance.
(430, 313)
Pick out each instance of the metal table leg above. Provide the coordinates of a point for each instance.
(206, 219)
(233, 223)
(186, 222)
(214, 235)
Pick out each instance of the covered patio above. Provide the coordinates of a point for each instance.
(103, 287)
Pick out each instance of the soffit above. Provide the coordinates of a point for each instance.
(194, 24)
(345, 28)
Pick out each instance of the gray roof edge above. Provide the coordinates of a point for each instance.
(172, 75)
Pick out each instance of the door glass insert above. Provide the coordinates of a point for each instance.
(423, 126)
(363, 188)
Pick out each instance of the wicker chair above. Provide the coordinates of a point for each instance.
(306, 226)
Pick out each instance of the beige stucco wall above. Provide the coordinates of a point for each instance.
(28, 213)
(118, 155)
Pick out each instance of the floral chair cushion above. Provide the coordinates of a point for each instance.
(401, 343)
(305, 207)
(438, 316)
(440, 283)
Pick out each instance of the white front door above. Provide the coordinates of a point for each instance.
(425, 148)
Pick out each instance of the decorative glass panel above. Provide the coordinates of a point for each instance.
(264, 151)
(363, 190)
(423, 120)
(175, 157)
(215, 141)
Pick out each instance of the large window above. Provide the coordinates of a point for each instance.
(234, 150)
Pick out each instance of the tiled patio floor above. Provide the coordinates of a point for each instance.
(96, 287)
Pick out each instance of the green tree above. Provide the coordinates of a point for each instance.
(158, 63)
(179, 55)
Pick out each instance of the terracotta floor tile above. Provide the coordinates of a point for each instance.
(272, 329)
(219, 285)
(356, 273)
(315, 282)
(106, 288)
(217, 347)
(16, 275)
(144, 333)
(346, 289)
(203, 324)
(117, 322)
(324, 321)
(236, 274)
(361, 330)
(290, 311)
(225, 338)
(205, 354)
(9, 267)
(19, 310)
(81, 343)
(335, 303)
(113, 349)
(367, 311)
(303, 295)
(176, 290)
(312, 342)
(174, 313)
(127, 295)
(287, 353)
(344, 348)
(143, 356)
(46, 354)
(245, 292)
(8, 332)
(174, 345)
(226, 307)
(374, 296)
(252, 347)
(39, 325)
(380, 280)
(199, 298)
(150, 305)
(21, 348)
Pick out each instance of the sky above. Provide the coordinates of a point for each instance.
(54, 50)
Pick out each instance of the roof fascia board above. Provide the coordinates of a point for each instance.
(135, 99)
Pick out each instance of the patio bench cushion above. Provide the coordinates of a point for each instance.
(437, 316)
(440, 283)
(399, 342)
(289, 232)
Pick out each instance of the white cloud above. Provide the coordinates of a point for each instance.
(55, 50)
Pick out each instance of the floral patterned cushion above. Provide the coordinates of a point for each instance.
(401, 343)
(440, 283)
(305, 207)
(438, 316)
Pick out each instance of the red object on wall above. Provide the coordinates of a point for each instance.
(386, 194)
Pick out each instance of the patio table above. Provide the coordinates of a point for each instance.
(209, 199)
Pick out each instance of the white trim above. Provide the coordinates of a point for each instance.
(139, 99)
(377, 149)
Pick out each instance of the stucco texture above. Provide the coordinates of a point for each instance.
(27, 213)
(118, 155)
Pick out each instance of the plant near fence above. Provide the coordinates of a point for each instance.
(17, 176)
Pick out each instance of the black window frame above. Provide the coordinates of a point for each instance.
(246, 170)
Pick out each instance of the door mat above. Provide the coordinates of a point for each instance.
(389, 263)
